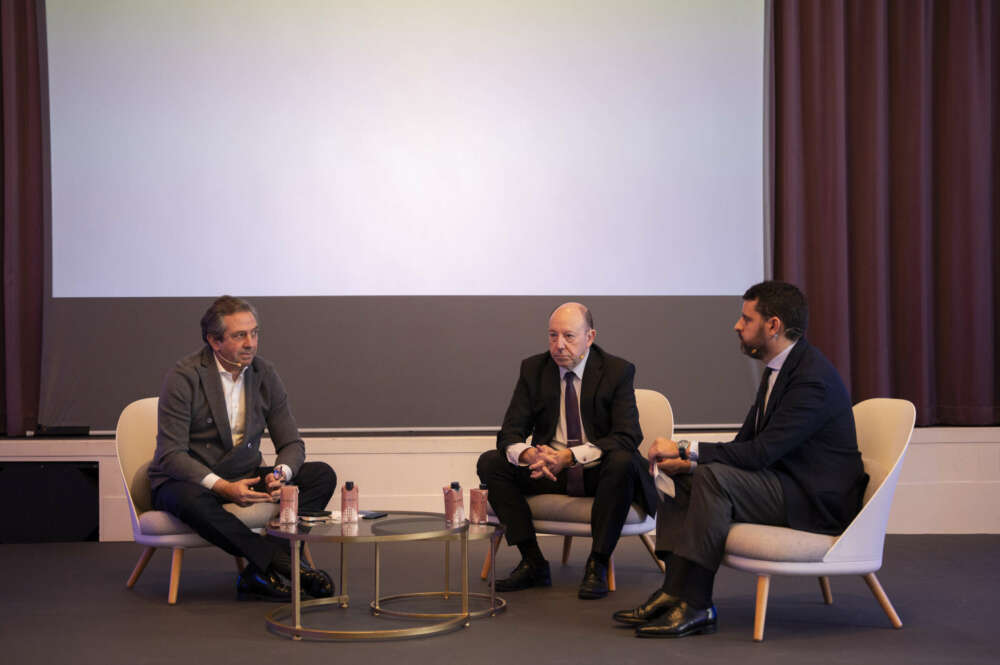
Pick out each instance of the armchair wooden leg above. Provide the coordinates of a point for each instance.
(567, 543)
(611, 574)
(175, 575)
(824, 586)
(651, 547)
(490, 560)
(140, 566)
(883, 600)
(760, 611)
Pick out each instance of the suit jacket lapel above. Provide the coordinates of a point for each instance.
(250, 394)
(781, 383)
(212, 385)
(588, 390)
(550, 387)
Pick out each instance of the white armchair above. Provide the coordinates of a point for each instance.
(569, 516)
(884, 427)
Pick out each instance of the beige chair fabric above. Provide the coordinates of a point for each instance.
(569, 516)
(135, 440)
(884, 427)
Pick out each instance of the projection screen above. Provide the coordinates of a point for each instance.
(405, 190)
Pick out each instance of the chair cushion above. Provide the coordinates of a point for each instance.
(162, 523)
(776, 543)
(562, 508)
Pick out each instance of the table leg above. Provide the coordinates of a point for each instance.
(296, 589)
(378, 564)
(494, 543)
(447, 567)
(344, 598)
(465, 577)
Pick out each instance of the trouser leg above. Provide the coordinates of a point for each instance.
(612, 483)
(316, 482)
(694, 525)
(202, 510)
(508, 485)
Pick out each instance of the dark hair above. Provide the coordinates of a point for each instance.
(211, 322)
(784, 301)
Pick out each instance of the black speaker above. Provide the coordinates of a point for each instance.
(48, 502)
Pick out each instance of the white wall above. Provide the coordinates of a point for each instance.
(950, 481)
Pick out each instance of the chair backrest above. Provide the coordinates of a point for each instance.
(656, 418)
(135, 440)
(884, 428)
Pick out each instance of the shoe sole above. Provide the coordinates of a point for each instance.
(250, 595)
(633, 621)
(591, 595)
(504, 589)
(704, 630)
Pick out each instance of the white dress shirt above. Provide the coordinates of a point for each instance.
(236, 407)
(586, 452)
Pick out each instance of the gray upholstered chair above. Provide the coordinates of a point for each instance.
(569, 516)
(135, 440)
(884, 428)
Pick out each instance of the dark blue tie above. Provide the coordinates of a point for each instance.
(574, 437)
(761, 395)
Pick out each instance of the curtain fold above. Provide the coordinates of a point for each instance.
(23, 229)
(885, 188)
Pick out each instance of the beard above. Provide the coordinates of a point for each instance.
(753, 348)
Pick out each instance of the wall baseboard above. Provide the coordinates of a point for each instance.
(950, 481)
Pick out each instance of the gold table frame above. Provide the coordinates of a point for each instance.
(287, 620)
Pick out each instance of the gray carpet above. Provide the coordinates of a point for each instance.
(67, 603)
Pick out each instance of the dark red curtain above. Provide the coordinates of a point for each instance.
(885, 194)
(22, 292)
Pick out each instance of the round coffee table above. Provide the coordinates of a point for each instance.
(396, 526)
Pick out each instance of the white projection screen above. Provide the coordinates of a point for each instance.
(405, 189)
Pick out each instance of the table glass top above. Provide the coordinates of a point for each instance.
(396, 525)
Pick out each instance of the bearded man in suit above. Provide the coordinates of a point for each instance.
(794, 463)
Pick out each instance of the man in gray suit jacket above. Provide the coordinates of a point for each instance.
(214, 406)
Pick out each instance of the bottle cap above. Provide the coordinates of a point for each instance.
(349, 485)
(455, 485)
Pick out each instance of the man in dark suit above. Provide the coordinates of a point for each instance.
(213, 408)
(577, 403)
(794, 463)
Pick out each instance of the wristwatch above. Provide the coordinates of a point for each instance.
(684, 451)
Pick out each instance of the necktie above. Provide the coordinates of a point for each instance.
(761, 395)
(574, 437)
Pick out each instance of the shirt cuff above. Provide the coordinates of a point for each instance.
(208, 482)
(585, 453)
(693, 452)
(514, 451)
(286, 471)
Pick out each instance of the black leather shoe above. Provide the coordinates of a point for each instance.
(526, 575)
(316, 582)
(253, 583)
(680, 621)
(595, 580)
(657, 605)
